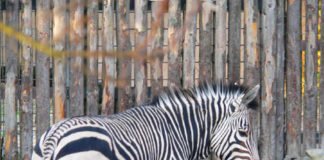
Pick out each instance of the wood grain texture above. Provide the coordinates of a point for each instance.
(123, 65)
(220, 41)
(174, 41)
(268, 91)
(189, 44)
(59, 28)
(293, 62)
(310, 75)
(280, 82)
(108, 97)
(11, 51)
(252, 59)
(26, 100)
(156, 45)
(92, 106)
(322, 79)
(234, 40)
(77, 66)
(42, 70)
(206, 41)
(141, 46)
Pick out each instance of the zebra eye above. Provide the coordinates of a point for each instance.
(243, 133)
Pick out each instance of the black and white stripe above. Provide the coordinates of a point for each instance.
(179, 124)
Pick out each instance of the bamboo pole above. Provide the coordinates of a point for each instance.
(59, 40)
(11, 51)
(140, 66)
(293, 62)
(268, 113)
(26, 107)
(108, 100)
(92, 76)
(175, 39)
(77, 65)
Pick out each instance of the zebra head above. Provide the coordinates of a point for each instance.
(231, 138)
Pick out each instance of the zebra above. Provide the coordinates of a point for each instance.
(177, 124)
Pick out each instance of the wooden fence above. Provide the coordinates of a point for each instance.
(102, 56)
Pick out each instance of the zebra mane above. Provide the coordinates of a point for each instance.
(205, 88)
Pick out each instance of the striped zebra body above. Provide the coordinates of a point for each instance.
(179, 124)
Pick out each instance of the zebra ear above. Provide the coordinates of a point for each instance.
(250, 95)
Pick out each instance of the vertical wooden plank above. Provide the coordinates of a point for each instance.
(157, 44)
(175, 39)
(92, 72)
(189, 42)
(268, 113)
(309, 138)
(252, 55)
(322, 78)
(123, 65)
(42, 70)
(280, 82)
(220, 40)
(11, 51)
(26, 107)
(59, 40)
(293, 79)
(108, 97)
(234, 40)
(206, 40)
(141, 46)
(77, 45)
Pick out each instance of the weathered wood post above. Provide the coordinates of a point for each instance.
(174, 41)
(220, 40)
(42, 69)
(252, 55)
(189, 45)
(140, 67)
(268, 91)
(206, 40)
(293, 78)
(26, 99)
(11, 51)
(77, 66)
(280, 82)
(92, 67)
(322, 78)
(123, 65)
(234, 40)
(59, 40)
(157, 46)
(108, 97)
(310, 108)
